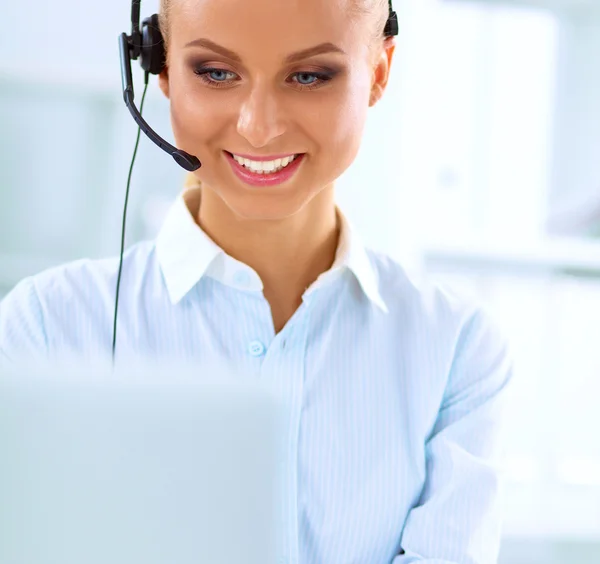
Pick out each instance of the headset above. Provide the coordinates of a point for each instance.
(147, 44)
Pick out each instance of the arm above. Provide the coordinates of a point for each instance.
(458, 517)
(22, 331)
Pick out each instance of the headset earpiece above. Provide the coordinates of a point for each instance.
(391, 26)
(152, 56)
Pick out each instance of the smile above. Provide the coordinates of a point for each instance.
(265, 167)
(265, 173)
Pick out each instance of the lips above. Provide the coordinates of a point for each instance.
(264, 180)
(263, 159)
(274, 164)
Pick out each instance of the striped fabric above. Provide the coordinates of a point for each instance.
(395, 388)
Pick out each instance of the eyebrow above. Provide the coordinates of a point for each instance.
(293, 58)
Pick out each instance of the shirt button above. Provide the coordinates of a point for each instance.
(256, 348)
(241, 278)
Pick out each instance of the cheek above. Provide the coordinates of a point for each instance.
(349, 121)
(344, 122)
(193, 117)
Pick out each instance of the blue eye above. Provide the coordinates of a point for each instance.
(215, 74)
(305, 74)
(218, 77)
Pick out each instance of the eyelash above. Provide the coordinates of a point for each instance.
(203, 73)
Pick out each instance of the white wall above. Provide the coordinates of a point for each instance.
(575, 184)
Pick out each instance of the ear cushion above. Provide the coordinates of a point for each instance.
(152, 56)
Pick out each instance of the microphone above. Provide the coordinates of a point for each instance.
(185, 160)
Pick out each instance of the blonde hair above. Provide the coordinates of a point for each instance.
(377, 12)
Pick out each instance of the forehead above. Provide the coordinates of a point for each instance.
(273, 27)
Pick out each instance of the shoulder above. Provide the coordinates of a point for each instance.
(417, 294)
(452, 330)
(64, 297)
(88, 281)
(448, 313)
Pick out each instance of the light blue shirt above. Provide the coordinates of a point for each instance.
(396, 388)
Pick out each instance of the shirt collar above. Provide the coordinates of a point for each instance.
(186, 253)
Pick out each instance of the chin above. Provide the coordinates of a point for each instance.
(263, 207)
(267, 203)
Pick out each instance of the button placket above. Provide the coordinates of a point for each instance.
(256, 348)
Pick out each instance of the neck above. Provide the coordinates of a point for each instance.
(288, 254)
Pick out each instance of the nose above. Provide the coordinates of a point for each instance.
(261, 118)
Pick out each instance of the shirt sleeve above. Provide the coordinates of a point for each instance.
(22, 331)
(458, 517)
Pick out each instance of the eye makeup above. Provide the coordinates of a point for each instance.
(216, 74)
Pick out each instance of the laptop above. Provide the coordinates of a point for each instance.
(138, 465)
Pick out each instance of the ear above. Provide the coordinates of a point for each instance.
(381, 71)
(163, 81)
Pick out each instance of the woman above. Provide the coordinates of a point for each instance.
(395, 390)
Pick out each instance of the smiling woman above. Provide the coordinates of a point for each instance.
(395, 389)
(277, 112)
(244, 95)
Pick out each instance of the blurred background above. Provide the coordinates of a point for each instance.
(480, 168)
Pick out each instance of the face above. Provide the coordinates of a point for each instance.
(252, 98)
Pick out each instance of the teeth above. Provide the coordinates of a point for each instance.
(267, 167)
